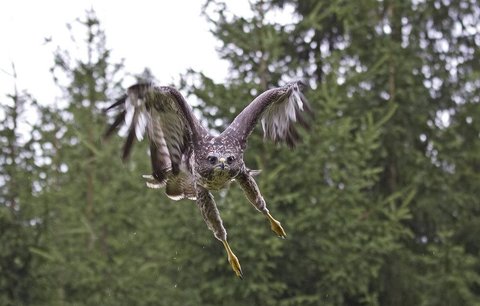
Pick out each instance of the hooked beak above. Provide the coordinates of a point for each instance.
(222, 163)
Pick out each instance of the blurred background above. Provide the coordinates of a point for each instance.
(381, 202)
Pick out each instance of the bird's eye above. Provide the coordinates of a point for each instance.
(230, 159)
(212, 160)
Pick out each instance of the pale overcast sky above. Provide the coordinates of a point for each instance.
(166, 36)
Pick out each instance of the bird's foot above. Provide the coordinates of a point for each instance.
(276, 227)
(233, 260)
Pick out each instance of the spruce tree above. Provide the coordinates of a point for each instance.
(20, 227)
(340, 230)
(382, 163)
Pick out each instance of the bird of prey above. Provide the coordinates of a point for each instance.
(190, 162)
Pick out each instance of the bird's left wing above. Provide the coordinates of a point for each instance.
(280, 111)
(171, 128)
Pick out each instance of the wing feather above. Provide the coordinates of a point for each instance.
(161, 114)
(280, 110)
(119, 119)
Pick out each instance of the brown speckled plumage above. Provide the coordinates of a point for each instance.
(188, 161)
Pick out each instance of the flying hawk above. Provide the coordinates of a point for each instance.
(189, 162)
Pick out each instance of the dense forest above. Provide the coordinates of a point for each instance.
(381, 201)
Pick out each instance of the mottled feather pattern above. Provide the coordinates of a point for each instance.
(280, 110)
(189, 162)
(210, 213)
(280, 116)
(177, 187)
(162, 114)
(159, 154)
(252, 192)
(173, 132)
(181, 186)
(216, 181)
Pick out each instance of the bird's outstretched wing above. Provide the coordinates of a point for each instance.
(171, 128)
(280, 110)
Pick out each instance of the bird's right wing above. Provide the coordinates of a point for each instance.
(165, 117)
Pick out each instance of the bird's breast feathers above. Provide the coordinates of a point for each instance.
(218, 179)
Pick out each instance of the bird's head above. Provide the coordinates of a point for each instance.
(226, 161)
(219, 156)
(219, 162)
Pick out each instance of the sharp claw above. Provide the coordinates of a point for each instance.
(233, 260)
(280, 232)
(276, 227)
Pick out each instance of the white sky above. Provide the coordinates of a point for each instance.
(166, 36)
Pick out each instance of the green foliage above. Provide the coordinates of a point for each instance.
(380, 202)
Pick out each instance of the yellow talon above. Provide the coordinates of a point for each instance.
(276, 227)
(233, 260)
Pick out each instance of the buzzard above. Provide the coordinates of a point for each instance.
(190, 162)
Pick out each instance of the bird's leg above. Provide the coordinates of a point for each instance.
(211, 215)
(250, 188)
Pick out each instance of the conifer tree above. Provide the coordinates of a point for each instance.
(105, 236)
(340, 229)
(20, 228)
(382, 201)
